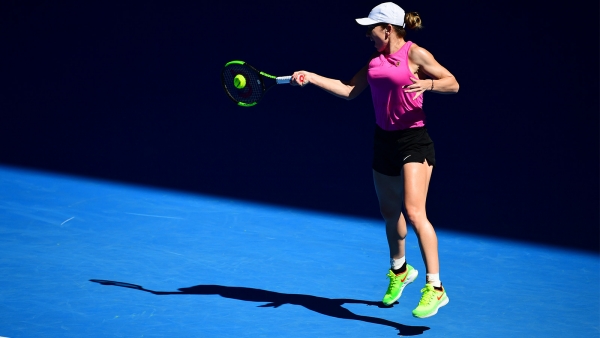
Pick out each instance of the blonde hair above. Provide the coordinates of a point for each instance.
(412, 20)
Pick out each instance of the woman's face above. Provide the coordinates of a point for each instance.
(376, 33)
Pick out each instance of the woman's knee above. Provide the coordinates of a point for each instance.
(390, 213)
(416, 216)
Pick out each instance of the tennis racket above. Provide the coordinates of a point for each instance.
(246, 85)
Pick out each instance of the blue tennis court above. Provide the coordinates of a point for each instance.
(91, 258)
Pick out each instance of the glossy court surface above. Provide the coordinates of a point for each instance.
(89, 258)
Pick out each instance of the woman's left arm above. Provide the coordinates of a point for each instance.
(440, 79)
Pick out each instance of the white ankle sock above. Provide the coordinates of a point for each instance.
(397, 263)
(434, 279)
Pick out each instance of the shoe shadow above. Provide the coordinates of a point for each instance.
(325, 306)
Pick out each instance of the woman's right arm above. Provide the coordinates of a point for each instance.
(343, 89)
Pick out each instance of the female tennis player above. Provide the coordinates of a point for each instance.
(399, 72)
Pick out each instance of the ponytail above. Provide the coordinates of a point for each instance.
(412, 20)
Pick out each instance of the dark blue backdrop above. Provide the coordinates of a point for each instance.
(131, 92)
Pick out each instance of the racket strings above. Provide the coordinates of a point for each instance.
(251, 92)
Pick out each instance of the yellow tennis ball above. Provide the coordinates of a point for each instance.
(239, 81)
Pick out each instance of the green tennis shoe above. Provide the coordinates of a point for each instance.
(398, 283)
(431, 300)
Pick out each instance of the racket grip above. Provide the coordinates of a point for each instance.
(283, 79)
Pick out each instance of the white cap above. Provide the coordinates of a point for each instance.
(387, 12)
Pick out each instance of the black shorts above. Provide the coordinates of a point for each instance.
(392, 149)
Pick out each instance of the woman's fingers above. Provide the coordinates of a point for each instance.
(299, 79)
(418, 87)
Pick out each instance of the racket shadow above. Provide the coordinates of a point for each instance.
(325, 306)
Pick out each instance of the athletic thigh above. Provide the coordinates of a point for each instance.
(416, 185)
(390, 192)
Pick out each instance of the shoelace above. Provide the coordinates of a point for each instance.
(393, 281)
(428, 295)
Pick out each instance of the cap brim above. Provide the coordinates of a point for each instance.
(366, 21)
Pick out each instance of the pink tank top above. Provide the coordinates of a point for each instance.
(394, 109)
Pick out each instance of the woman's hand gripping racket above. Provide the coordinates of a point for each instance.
(245, 85)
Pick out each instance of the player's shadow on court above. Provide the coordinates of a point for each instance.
(326, 306)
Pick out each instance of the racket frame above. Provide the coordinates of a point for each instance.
(278, 80)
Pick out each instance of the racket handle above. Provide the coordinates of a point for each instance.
(283, 79)
(288, 79)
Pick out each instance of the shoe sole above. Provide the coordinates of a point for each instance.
(409, 279)
(444, 302)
